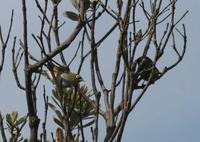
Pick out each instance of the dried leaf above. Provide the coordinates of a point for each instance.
(59, 135)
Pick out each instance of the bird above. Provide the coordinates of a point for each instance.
(146, 68)
(138, 36)
(56, 1)
(62, 77)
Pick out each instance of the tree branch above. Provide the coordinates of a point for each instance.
(4, 43)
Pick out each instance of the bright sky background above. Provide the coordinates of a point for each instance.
(169, 112)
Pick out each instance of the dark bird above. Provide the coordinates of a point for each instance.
(145, 67)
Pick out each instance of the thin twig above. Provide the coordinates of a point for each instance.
(79, 45)
(45, 98)
(15, 65)
(4, 43)
(3, 135)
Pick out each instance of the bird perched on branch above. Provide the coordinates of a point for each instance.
(138, 36)
(146, 68)
(63, 77)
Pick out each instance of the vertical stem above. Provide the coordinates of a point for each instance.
(33, 119)
(56, 31)
(121, 129)
(3, 135)
(92, 63)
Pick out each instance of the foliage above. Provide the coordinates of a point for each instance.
(142, 43)
(71, 109)
(15, 124)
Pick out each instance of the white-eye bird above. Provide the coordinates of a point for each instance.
(63, 77)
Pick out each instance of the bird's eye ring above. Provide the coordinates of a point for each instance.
(77, 76)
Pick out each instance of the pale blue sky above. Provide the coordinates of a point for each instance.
(169, 112)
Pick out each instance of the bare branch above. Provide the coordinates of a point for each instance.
(75, 54)
(4, 43)
(57, 50)
(2, 129)
(45, 114)
(30, 90)
(56, 31)
(15, 64)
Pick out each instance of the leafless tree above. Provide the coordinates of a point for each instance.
(142, 43)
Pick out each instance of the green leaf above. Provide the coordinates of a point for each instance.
(59, 115)
(9, 119)
(71, 15)
(21, 120)
(74, 121)
(14, 116)
(52, 107)
(75, 4)
(86, 4)
(76, 138)
(58, 122)
(56, 102)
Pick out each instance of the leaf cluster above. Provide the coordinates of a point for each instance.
(71, 108)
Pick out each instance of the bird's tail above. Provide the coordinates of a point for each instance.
(45, 73)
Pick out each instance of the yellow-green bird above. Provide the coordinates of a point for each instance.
(64, 77)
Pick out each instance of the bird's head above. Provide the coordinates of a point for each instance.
(79, 78)
(76, 77)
